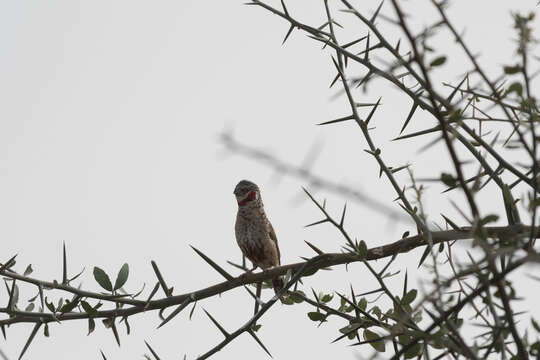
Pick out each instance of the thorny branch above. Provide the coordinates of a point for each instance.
(520, 112)
(138, 306)
(325, 260)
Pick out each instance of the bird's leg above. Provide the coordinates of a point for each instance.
(248, 272)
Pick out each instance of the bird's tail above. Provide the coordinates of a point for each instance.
(277, 283)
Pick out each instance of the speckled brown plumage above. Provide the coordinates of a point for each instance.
(254, 232)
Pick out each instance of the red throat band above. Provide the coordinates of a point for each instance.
(251, 196)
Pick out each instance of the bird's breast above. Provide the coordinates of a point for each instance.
(252, 238)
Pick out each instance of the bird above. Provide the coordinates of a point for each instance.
(254, 232)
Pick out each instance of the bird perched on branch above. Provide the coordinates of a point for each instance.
(254, 232)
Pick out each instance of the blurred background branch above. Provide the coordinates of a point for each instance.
(305, 174)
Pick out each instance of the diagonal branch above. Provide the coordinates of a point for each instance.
(305, 174)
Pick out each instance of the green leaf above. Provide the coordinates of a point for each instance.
(448, 180)
(102, 279)
(535, 348)
(410, 296)
(362, 250)
(528, 105)
(512, 69)
(326, 298)
(15, 296)
(378, 345)
(343, 304)
(417, 317)
(122, 277)
(345, 307)
(456, 116)
(50, 306)
(316, 316)
(404, 339)
(91, 326)
(438, 61)
(295, 296)
(28, 270)
(69, 305)
(30, 307)
(413, 351)
(362, 304)
(108, 323)
(515, 87)
(488, 219)
(377, 311)
(88, 308)
(287, 300)
(46, 330)
(439, 339)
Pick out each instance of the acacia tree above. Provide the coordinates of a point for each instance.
(467, 310)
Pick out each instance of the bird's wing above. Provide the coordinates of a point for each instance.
(272, 235)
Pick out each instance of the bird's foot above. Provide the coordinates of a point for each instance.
(244, 275)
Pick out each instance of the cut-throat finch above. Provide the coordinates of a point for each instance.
(254, 232)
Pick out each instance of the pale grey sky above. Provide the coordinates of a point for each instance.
(110, 113)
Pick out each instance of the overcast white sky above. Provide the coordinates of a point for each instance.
(110, 113)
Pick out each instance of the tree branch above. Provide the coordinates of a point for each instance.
(315, 263)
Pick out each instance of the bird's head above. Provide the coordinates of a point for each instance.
(246, 192)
